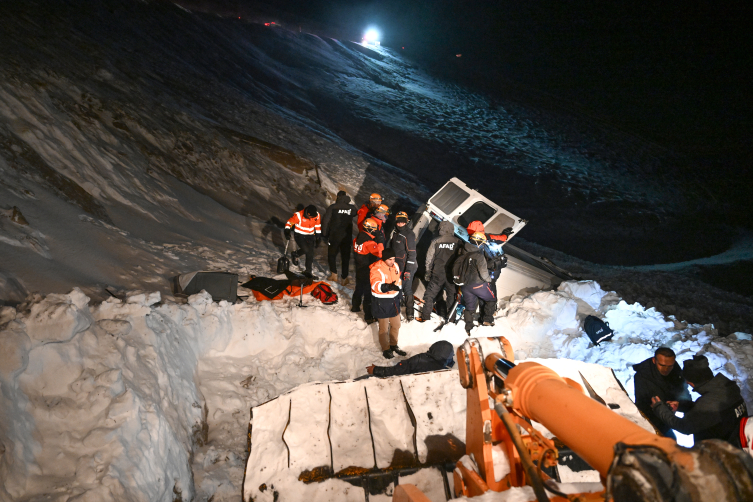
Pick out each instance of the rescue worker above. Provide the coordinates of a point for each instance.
(441, 249)
(403, 243)
(385, 282)
(661, 376)
(477, 281)
(337, 228)
(367, 210)
(477, 226)
(308, 231)
(717, 414)
(438, 357)
(495, 261)
(367, 250)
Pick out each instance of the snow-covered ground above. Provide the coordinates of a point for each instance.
(146, 397)
(139, 141)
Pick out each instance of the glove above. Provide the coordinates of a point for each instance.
(287, 234)
(427, 277)
(379, 237)
(406, 276)
(389, 287)
(507, 232)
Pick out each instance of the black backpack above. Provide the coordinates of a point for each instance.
(597, 330)
(461, 267)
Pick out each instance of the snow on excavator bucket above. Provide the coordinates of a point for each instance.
(344, 441)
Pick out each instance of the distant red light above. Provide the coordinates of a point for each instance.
(458, 55)
(266, 24)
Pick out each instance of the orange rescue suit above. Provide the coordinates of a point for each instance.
(381, 273)
(303, 225)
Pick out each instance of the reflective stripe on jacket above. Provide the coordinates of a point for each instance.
(381, 273)
(303, 225)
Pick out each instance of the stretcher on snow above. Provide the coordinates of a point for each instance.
(352, 440)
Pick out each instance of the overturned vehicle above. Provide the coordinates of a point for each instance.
(460, 205)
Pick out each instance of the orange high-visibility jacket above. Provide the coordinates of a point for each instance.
(381, 273)
(303, 225)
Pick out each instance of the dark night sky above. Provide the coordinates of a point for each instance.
(678, 75)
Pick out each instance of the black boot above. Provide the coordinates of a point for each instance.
(397, 350)
(468, 318)
(388, 354)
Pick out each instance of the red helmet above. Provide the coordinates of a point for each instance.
(475, 226)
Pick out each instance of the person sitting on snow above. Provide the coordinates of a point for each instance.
(661, 376)
(438, 357)
(716, 414)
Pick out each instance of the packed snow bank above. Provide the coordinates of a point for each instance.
(123, 400)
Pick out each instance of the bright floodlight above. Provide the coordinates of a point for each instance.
(371, 36)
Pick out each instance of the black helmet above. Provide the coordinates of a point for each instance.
(310, 211)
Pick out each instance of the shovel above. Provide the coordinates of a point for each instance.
(283, 263)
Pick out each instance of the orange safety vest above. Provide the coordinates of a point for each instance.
(381, 273)
(303, 225)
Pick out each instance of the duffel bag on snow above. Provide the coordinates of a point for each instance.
(323, 292)
(597, 330)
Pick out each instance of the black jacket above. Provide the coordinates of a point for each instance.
(338, 219)
(441, 250)
(438, 357)
(403, 242)
(496, 259)
(649, 382)
(715, 415)
(479, 272)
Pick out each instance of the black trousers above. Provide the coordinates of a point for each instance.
(342, 245)
(482, 304)
(408, 296)
(472, 293)
(363, 292)
(437, 284)
(306, 245)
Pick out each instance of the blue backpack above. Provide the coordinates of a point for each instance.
(597, 330)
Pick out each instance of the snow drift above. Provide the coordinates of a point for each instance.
(145, 398)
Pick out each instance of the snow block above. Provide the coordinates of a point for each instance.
(58, 318)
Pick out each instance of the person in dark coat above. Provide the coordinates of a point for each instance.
(661, 376)
(476, 285)
(439, 253)
(496, 260)
(716, 414)
(438, 357)
(403, 243)
(337, 228)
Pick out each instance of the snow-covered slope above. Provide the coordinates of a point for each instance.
(139, 141)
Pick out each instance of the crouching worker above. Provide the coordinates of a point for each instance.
(385, 303)
(439, 357)
(308, 231)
